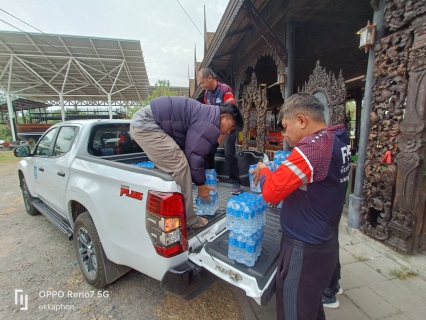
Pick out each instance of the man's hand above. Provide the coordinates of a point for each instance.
(221, 138)
(256, 172)
(203, 192)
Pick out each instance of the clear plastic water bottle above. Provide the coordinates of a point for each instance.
(250, 252)
(211, 208)
(232, 246)
(230, 214)
(198, 206)
(257, 239)
(238, 212)
(247, 219)
(241, 249)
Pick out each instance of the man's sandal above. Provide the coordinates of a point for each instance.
(200, 223)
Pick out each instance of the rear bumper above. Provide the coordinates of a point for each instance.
(187, 280)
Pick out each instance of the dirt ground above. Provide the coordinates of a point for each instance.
(39, 259)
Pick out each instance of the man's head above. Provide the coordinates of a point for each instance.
(301, 115)
(230, 118)
(207, 79)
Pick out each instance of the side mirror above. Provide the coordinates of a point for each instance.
(21, 152)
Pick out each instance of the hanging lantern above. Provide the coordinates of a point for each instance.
(281, 78)
(367, 37)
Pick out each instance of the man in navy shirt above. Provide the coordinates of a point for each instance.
(217, 93)
(312, 183)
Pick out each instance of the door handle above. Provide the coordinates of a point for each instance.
(40, 169)
(61, 174)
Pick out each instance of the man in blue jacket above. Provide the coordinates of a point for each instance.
(176, 133)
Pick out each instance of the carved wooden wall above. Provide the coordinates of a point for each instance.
(256, 96)
(261, 109)
(394, 195)
(333, 89)
(248, 100)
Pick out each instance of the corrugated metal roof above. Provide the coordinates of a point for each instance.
(82, 68)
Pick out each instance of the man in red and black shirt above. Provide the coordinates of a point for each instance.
(312, 183)
(217, 93)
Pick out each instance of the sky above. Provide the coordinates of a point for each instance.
(167, 35)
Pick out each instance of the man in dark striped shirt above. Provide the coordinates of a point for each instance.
(217, 93)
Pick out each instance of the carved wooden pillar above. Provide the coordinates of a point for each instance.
(407, 227)
(252, 93)
(261, 119)
(394, 195)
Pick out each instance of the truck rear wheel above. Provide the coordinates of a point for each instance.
(88, 249)
(28, 199)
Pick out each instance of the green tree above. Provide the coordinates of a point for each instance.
(162, 88)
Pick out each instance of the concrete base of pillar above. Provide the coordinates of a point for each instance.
(354, 211)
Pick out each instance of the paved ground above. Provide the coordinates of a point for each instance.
(372, 290)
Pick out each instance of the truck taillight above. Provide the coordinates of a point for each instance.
(166, 222)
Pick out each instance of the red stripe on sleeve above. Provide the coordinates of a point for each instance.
(289, 176)
(229, 97)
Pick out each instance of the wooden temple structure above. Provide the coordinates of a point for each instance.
(267, 50)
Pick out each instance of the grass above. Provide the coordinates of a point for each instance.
(8, 157)
(379, 271)
(402, 273)
(361, 258)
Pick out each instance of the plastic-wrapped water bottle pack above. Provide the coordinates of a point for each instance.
(202, 207)
(279, 157)
(245, 218)
(145, 164)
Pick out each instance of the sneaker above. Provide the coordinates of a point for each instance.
(332, 303)
(340, 289)
(236, 188)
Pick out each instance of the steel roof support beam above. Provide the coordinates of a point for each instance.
(66, 76)
(9, 104)
(61, 100)
(109, 105)
(116, 77)
(90, 76)
(22, 62)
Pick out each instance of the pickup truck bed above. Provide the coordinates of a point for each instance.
(218, 248)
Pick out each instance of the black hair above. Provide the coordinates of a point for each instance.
(232, 111)
(302, 103)
(206, 72)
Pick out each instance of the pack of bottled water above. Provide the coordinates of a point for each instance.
(246, 219)
(253, 188)
(203, 208)
(145, 164)
(280, 156)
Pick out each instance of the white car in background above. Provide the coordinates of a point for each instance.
(1, 142)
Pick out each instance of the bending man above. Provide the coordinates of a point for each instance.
(176, 134)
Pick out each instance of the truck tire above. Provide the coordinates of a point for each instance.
(88, 249)
(28, 199)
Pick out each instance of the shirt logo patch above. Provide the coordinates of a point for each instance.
(218, 100)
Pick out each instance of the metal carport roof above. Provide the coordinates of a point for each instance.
(57, 68)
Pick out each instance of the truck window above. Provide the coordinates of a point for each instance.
(110, 139)
(43, 147)
(64, 141)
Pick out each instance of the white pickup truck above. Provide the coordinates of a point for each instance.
(81, 177)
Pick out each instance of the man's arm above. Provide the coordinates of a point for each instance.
(228, 94)
(290, 175)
